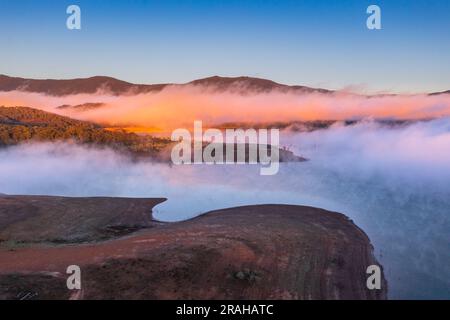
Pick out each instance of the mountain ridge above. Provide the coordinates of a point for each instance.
(110, 85)
(90, 85)
(63, 87)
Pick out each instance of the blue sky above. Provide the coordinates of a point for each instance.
(316, 43)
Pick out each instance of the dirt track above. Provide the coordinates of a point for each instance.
(252, 252)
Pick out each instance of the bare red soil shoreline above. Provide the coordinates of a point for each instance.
(251, 252)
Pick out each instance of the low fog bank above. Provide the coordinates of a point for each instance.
(393, 182)
(178, 107)
(415, 153)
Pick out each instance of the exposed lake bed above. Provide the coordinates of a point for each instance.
(251, 252)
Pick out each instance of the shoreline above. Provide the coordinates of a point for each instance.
(248, 252)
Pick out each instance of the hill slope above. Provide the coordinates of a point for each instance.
(21, 124)
(250, 85)
(251, 252)
(439, 93)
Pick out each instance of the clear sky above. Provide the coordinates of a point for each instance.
(321, 43)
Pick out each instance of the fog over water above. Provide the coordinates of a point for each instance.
(392, 181)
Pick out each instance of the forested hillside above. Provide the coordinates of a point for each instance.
(20, 124)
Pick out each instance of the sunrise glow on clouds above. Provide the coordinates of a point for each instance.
(176, 107)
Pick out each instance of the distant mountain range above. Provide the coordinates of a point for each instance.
(240, 85)
(114, 86)
(74, 86)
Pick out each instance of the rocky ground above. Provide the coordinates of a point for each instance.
(251, 252)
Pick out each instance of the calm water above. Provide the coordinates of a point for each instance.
(397, 193)
(410, 231)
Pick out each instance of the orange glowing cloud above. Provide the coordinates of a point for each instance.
(177, 106)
